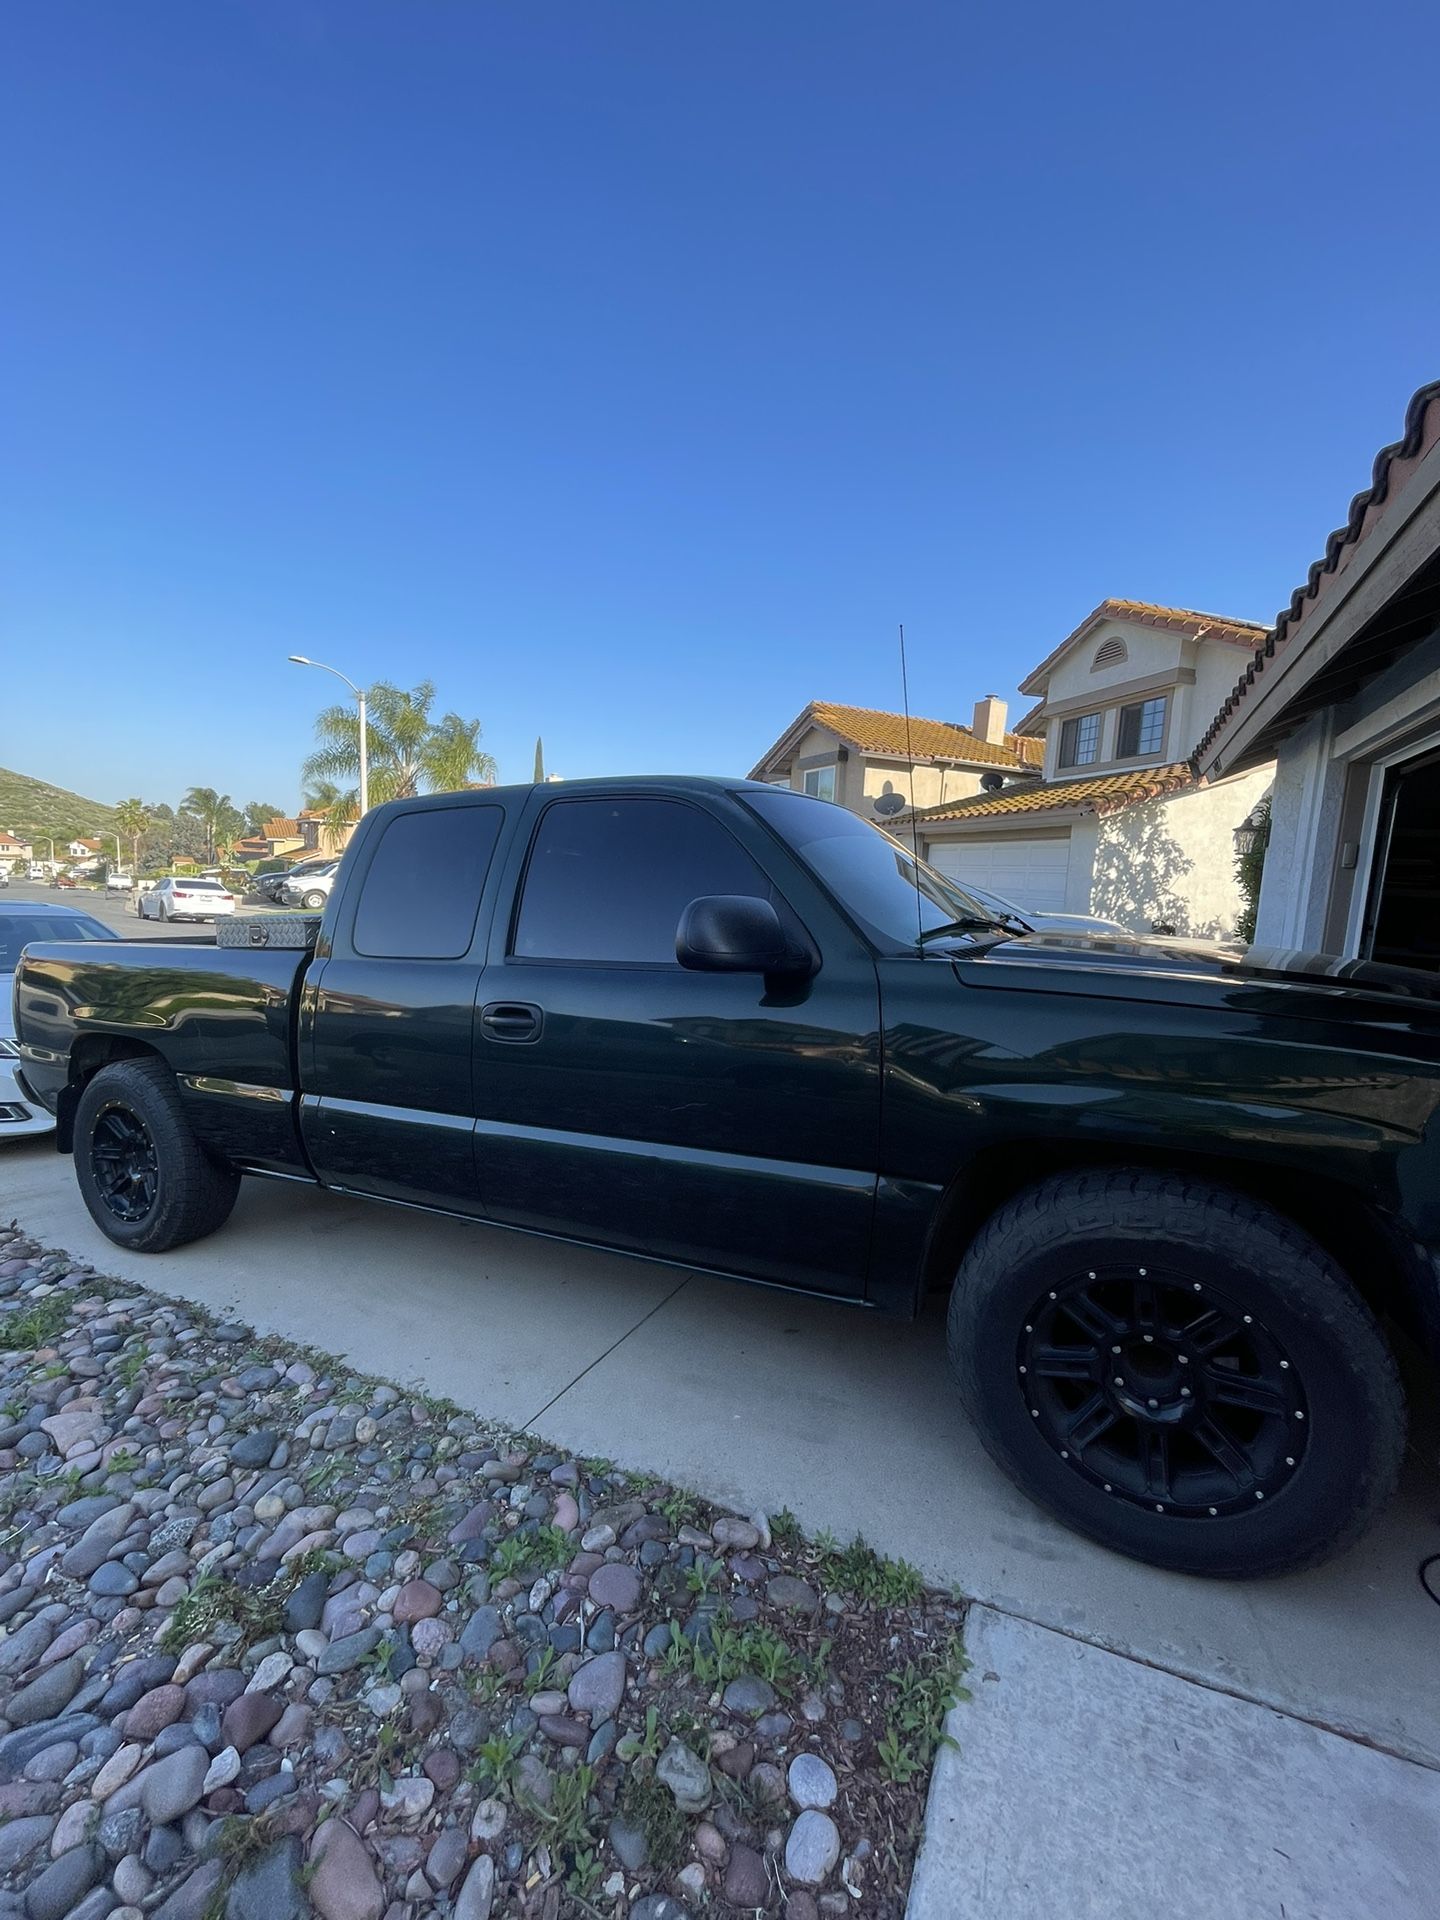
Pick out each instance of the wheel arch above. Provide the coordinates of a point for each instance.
(90, 1053)
(1386, 1268)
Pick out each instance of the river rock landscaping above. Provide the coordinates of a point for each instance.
(278, 1642)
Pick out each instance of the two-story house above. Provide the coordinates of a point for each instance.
(1118, 826)
(878, 764)
(13, 851)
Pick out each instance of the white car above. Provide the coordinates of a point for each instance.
(118, 883)
(1004, 909)
(21, 923)
(184, 899)
(310, 890)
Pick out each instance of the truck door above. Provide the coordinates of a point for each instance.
(707, 1118)
(387, 1016)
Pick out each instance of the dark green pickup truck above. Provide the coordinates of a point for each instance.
(1174, 1191)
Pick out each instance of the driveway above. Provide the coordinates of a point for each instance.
(762, 1399)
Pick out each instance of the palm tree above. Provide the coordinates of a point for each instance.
(339, 805)
(216, 812)
(409, 753)
(132, 818)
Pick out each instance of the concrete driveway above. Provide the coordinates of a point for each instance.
(762, 1399)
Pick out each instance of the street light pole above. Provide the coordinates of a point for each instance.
(302, 660)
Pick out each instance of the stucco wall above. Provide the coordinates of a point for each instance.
(1215, 665)
(1173, 861)
(860, 778)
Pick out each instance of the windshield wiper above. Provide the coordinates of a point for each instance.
(970, 923)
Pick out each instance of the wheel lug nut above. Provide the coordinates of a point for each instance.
(1149, 1339)
(1152, 1403)
(1118, 1381)
(1185, 1393)
(1184, 1359)
(1289, 1459)
(1114, 1349)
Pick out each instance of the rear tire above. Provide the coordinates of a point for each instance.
(314, 902)
(146, 1179)
(1258, 1425)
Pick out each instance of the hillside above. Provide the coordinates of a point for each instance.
(30, 807)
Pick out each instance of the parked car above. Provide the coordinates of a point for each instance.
(186, 899)
(22, 1116)
(4, 876)
(63, 880)
(1029, 921)
(271, 885)
(310, 890)
(1171, 1188)
(118, 882)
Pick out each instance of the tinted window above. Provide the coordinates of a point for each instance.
(890, 893)
(1080, 741)
(1142, 728)
(609, 879)
(19, 930)
(422, 892)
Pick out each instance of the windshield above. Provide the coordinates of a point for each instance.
(19, 930)
(873, 876)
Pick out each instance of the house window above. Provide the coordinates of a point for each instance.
(1142, 728)
(821, 782)
(1109, 654)
(1080, 740)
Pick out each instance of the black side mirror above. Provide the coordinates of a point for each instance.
(734, 933)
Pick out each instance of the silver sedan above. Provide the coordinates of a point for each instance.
(22, 924)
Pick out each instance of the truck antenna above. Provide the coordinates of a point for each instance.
(914, 828)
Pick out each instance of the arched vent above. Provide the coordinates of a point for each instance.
(1109, 655)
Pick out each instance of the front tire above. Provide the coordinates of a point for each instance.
(314, 902)
(1177, 1371)
(146, 1179)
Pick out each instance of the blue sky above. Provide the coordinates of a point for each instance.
(631, 369)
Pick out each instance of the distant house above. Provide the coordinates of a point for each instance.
(281, 835)
(877, 763)
(1343, 692)
(1118, 826)
(13, 851)
(86, 849)
(319, 835)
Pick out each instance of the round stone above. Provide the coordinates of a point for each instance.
(615, 1585)
(812, 1848)
(812, 1782)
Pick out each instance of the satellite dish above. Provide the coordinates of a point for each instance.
(992, 782)
(888, 803)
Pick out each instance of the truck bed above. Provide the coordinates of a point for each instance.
(223, 1018)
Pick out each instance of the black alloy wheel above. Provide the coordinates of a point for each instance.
(123, 1164)
(1162, 1391)
(1175, 1369)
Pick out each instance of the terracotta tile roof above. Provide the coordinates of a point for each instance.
(1182, 620)
(869, 730)
(280, 829)
(1365, 509)
(1101, 793)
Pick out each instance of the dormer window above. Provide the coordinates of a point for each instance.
(1111, 653)
(1142, 728)
(1080, 741)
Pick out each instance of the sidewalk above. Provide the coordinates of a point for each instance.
(1087, 1786)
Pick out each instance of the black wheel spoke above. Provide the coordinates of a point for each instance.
(1146, 1306)
(1243, 1390)
(1218, 1443)
(1155, 1459)
(1210, 1330)
(123, 1164)
(1097, 1416)
(1065, 1363)
(1098, 1322)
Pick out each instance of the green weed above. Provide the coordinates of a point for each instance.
(646, 1804)
(258, 1612)
(34, 1326)
(496, 1763)
(924, 1692)
(861, 1572)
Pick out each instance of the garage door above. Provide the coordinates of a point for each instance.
(1032, 873)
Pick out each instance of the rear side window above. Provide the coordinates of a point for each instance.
(422, 892)
(609, 879)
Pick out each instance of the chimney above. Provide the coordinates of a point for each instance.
(990, 720)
